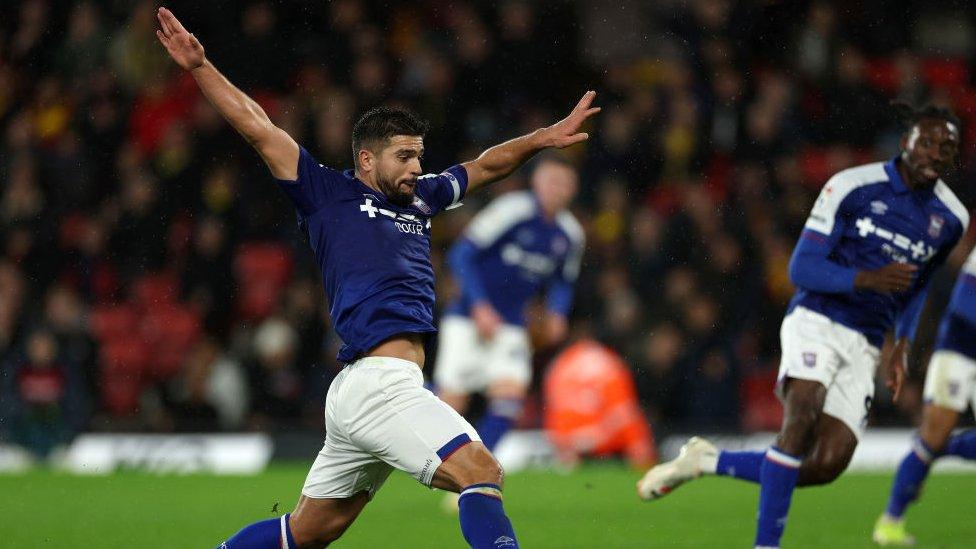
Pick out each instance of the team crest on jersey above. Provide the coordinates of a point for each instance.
(809, 359)
(879, 208)
(421, 205)
(936, 222)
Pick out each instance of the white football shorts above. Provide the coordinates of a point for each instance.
(818, 349)
(466, 364)
(379, 416)
(951, 380)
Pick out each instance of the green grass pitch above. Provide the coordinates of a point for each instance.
(592, 507)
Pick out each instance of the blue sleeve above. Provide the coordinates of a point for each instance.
(559, 298)
(810, 268)
(462, 261)
(445, 190)
(963, 303)
(908, 319)
(314, 186)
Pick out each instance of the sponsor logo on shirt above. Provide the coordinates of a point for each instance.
(809, 359)
(879, 208)
(405, 223)
(900, 245)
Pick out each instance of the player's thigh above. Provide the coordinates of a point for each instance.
(460, 357)
(950, 386)
(950, 381)
(408, 427)
(849, 398)
(808, 350)
(508, 362)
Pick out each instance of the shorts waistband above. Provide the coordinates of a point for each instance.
(386, 361)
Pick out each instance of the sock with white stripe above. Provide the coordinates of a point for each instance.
(777, 479)
(483, 520)
(912, 471)
(267, 534)
(740, 465)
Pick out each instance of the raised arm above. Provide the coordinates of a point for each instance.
(501, 160)
(277, 148)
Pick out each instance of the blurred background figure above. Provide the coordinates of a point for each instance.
(591, 407)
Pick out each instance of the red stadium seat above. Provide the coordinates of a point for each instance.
(945, 73)
(883, 75)
(170, 332)
(113, 321)
(262, 270)
(155, 290)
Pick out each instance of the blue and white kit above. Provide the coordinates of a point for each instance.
(865, 218)
(375, 262)
(951, 378)
(509, 254)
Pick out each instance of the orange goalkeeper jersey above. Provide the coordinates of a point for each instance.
(591, 405)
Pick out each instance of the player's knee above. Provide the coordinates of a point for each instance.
(820, 469)
(483, 469)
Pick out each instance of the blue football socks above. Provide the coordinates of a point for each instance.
(266, 534)
(962, 445)
(483, 521)
(498, 419)
(742, 465)
(909, 478)
(777, 478)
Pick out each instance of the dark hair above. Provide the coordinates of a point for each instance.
(910, 114)
(379, 124)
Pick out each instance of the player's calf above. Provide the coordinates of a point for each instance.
(316, 523)
(476, 475)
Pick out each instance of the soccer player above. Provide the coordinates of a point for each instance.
(370, 230)
(519, 245)
(950, 385)
(861, 267)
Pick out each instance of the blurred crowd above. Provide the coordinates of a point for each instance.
(153, 278)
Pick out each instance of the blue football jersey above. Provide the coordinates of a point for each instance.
(869, 218)
(958, 329)
(374, 255)
(510, 253)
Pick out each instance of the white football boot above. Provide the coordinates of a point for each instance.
(662, 479)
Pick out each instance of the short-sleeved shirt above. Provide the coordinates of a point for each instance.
(870, 218)
(374, 255)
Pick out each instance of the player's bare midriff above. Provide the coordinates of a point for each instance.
(403, 346)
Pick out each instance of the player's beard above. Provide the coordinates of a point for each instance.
(393, 193)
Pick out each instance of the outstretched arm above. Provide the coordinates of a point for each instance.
(501, 160)
(277, 148)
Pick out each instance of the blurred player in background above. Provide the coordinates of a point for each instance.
(370, 231)
(521, 244)
(950, 386)
(862, 267)
(591, 407)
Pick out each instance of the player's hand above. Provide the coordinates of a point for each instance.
(566, 132)
(486, 320)
(890, 279)
(182, 46)
(897, 368)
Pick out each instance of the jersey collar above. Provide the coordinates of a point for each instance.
(894, 177)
